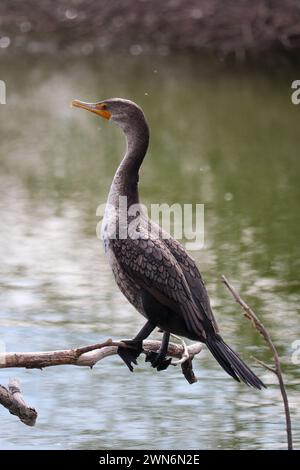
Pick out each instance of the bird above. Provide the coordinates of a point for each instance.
(152, 269)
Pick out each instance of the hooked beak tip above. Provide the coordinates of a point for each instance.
(78, 104)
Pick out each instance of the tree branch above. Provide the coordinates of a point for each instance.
(257, 324)
(11, 398)
(85, 355)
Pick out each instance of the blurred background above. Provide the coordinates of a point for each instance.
(214, 79)
(238, 28)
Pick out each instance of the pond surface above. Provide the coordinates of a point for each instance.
(228, 139)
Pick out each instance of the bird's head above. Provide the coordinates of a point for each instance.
(122, 112)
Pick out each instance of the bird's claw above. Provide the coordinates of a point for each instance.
(130, 354)
(158, 361)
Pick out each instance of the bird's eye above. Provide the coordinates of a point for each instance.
(104, 106)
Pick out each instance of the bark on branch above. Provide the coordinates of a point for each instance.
(12, 399)
(257, 324)
(83, 356)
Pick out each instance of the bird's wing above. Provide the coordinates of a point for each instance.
(191, 274)
(193, 277)
(153, 267)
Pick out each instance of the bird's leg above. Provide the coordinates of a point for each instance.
(135, 345)
(158, 359)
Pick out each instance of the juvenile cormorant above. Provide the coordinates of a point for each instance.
(155, 273)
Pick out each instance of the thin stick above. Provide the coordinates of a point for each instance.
(257, 324)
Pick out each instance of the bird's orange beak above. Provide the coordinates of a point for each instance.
(97, 108)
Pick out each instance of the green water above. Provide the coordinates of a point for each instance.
(226, 138)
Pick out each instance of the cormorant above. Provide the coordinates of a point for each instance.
(155, 273)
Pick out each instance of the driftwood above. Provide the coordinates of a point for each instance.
(257, 324)
(83, 356)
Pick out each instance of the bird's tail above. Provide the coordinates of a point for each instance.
(232, 363)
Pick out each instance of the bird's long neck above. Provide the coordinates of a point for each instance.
(125, 182)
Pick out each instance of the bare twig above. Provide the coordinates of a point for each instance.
(257, 324)
(11, 398)
(265, 366)
(185, 355)
(186, 362)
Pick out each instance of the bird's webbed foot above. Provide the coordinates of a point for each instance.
(158, 360)
(130, 354)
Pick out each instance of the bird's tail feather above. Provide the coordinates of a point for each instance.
(233, 364)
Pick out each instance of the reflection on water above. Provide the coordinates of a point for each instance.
(228, 141)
